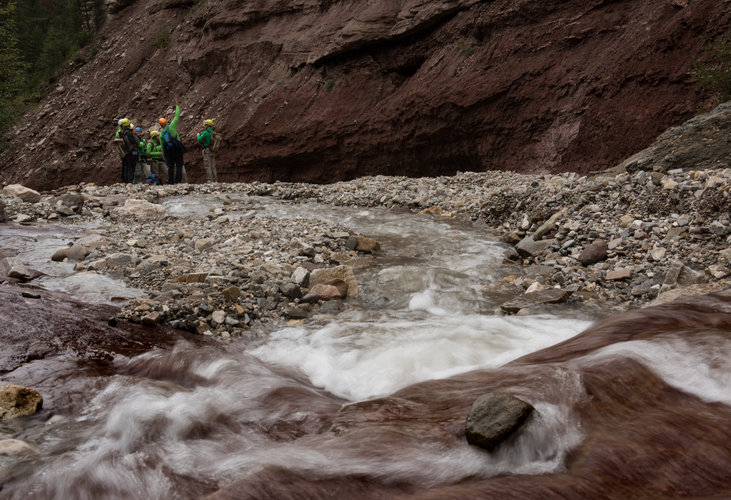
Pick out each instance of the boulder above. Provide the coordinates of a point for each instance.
(593, 253)
(76, 252)
(25, 194)
(493, 418)
(141, 209)
(680, 275)
(529, 247)
(301, 276)
(18, 401)
(367, 245)
(326, 292)
(291, 290)
(547, 226)
(14, 268)
(16, 448)
(674, 294)
(151, 319)
(60, 254)
(332, 274)
(549, 296)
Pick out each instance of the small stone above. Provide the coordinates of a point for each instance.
(218, 316)
(204, 244)
(151, 319)
(619, 274)
(658, 253)
(593, 253)
(231, 293)
(626, 220)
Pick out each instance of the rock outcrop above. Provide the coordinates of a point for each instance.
(321, 91)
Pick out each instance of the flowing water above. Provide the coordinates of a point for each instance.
(368, 405)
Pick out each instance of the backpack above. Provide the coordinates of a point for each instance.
(120, 147)
(154, 180)
(215, 142)
(172, 144)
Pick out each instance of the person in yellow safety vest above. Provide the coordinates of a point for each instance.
(154, 152)
(142, 169)
(205, 139)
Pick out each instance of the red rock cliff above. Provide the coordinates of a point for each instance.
(325, 90)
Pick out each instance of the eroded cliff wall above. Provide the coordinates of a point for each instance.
(324, 90)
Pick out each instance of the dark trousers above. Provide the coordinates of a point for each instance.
(175, 168)
(128, 168)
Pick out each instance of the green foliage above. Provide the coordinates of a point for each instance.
(465, 50)
(37, 37)
(12, 68)
(715, 75)
(163, 37)
(329, 85)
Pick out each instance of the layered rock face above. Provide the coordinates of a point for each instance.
(323, 90)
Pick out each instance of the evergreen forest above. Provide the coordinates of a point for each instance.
(37, 37)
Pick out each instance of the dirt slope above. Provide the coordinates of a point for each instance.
(324, 90)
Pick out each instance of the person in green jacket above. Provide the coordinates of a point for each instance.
(142, 169)
(154, 153)
(172, 148)
(205, 139)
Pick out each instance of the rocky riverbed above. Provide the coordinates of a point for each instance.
(653, 228)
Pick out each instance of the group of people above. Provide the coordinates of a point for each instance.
(160, 158)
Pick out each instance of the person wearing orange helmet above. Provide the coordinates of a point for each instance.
(172, 148)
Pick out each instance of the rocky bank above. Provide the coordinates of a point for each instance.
(318, 91)
(655, 227)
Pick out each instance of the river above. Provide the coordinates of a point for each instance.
(371, 404)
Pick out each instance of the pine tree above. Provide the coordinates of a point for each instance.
(12, 68)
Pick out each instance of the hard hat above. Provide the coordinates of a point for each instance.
(119, 123)
(208, 123)
(138, 129)
(131, 126)
(163, 122)
(124, 122)
(154, 133)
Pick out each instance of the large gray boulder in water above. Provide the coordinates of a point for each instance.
(493, 418)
